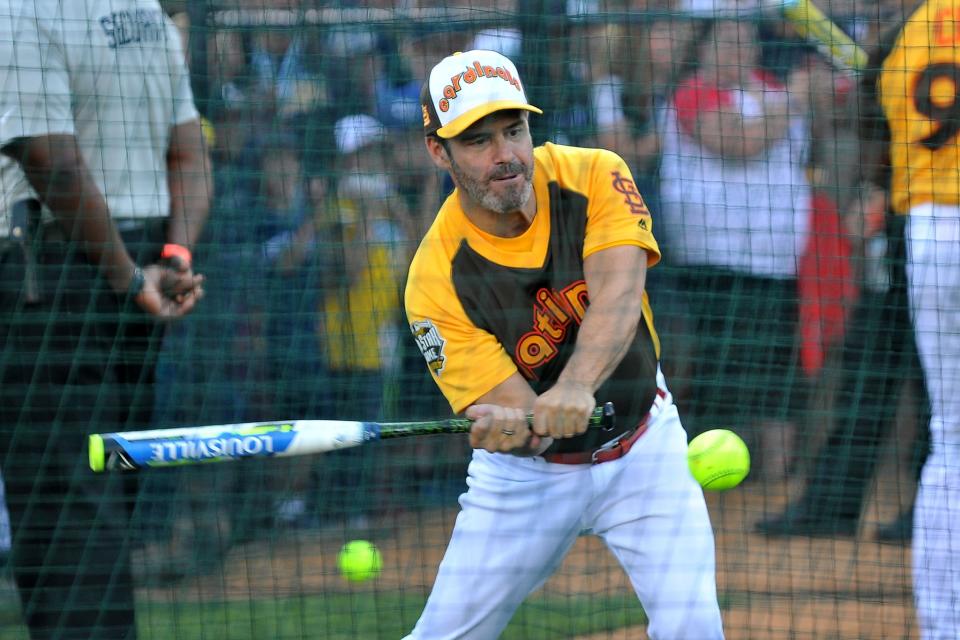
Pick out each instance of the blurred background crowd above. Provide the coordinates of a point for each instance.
(777, 264)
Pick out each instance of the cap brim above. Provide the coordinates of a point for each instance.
(459, 125)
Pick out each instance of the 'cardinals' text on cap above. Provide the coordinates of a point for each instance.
(464, 87)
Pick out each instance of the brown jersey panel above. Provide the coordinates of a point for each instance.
(482, 308)
(535, 313)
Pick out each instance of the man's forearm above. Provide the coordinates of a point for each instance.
(605, 336)
(615, 279)
(189, 181)
(56, 170)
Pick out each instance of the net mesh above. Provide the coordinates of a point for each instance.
(780, 304)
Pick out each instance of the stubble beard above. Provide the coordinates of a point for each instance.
(511, 200)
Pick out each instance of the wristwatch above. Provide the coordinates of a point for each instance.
(137, 281)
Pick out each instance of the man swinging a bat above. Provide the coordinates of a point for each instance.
(527, 296)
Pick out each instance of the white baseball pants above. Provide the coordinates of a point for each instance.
(520, 516)
(933, 274)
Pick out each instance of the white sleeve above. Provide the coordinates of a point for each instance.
(34, 80)
(608, 102)
(184, 108)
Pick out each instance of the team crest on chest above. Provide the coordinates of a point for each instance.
(431, 345)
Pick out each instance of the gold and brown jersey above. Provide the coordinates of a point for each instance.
(482, 307)
(918, 91)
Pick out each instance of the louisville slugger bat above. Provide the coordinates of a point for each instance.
(133, 450)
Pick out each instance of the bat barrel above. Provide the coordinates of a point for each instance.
(175, 447)
(814, 25)
(110, 451)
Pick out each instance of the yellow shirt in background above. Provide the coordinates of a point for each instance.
(356, 316)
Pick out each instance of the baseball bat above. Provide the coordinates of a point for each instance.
(811, 23)
(133, 450)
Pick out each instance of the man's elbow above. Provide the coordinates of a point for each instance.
(635, 310)
(41, 154)
(188, 149)
(627, 309)
(51, 163)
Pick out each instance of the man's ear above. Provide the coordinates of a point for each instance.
(438, 152)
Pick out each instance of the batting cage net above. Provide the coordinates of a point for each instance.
(761, 148)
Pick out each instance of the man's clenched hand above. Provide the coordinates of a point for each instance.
(503, 430)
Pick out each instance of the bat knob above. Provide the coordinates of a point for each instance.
(608, 418)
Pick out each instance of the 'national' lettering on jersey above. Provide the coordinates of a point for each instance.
(553, 312)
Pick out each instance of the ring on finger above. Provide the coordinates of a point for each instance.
(507, 432)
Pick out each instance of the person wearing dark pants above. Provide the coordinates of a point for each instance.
(103, 169)
(64, 373)
(878, 357)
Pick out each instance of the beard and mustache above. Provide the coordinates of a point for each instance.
(511, 199)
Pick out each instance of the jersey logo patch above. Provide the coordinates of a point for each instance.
(631, 195)
(431, 345)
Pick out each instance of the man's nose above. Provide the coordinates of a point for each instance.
(502, 151)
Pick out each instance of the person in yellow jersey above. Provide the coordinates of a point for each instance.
(526, 296)
(918, 95)
(360, 315)
(360, 309)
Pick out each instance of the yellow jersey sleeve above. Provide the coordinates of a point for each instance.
(617, 214)
(465, 361)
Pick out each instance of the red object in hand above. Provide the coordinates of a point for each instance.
(177, 251)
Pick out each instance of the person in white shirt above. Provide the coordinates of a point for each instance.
(734, 220)
(103, 193)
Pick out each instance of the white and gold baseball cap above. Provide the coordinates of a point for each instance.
(464, 87)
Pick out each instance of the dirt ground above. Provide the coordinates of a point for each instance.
(792, 588)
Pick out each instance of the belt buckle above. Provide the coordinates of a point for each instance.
(608, 446)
